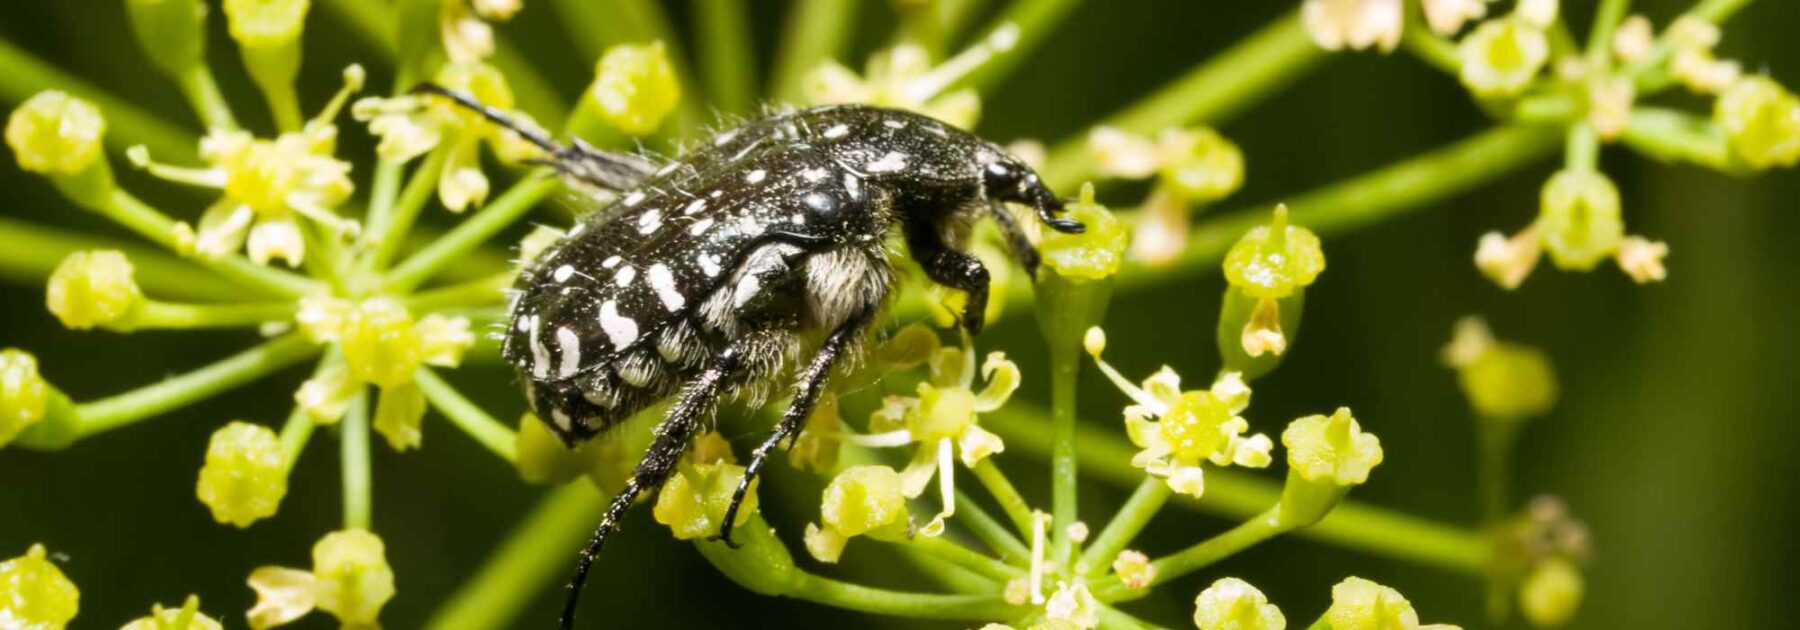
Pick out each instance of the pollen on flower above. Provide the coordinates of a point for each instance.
(1331, 450)
(53, 133)
(92, 288)
(635, 87)
(37, 594)
(245, 476)
(1502, 57)
(1356, 24)
(1233, 604)
(1134, 569)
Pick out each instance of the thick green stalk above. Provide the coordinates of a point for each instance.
(33, 251)
(486, 291)
(1065, 366)
(1676, 136)
(472, 232)
(203, 95)
(1259, 528)
(299, 427)
(999, 540)
(179, 391)
(727, 59)
(398, 220)
(1213, 91)
(126, 124)
(823, 590)
(1600, 36)
(536, 553)
(945, 551)
(816, 32)
(1035, 20)
(1014, 505)
(354, 451)
(490, 433)
(1494, 438)
(1143, 505)
(1236, 494)
(152, 314)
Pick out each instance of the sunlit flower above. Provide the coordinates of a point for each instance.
(53, 133)
(1358, 604)
(1447, 17)
(1509, 260)
(187, 617)
(383, 346)
(269, 185)
(1579, 219)
(1134, 569)
(1634, 40)
(1693, 64)
(463, 26)
(1762, 120)
(1233, 604)
(1357, 24)
(1502, 57)
(34, 593)
(861, 500)
(92, 288)
(635, 87)
(245, 475)
(350, 579)
(1072, 604)
(1193, 166)
(413, 125)
(1609, 106)
(1267, 265)
(903, 77)
(1642, 259)
(1179, 430)
(1331, 449)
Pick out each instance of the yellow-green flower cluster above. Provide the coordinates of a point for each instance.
(1762, 120)
(635, 87)
(60, 137)
(1094, 254)
(862, 500)
(350, 579)
(413, 125)
(904, 77)
(1501, 58)
(1579, 224)
(1233, 604)
(1178, 431)
(245, 475)
(1193, 167)
(693, 501)
(383, 346)
(1269, 267)
(36, 594)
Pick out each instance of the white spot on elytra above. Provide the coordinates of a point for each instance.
(700, 227)
(570, 345)
(668, 168)
(889, 163)
(650, 222)
(633, 198)
(663, 281)
(696, 206)
(540, 357)
(621, 330)
(837, 131)
(577, 230)
(853, 185)
(717, 194)
(894, 124)
(798, 219)
(756, 176)
(562, 273)
(624, 277)
(725, 138)
(750, 226)
(814, 175)
(709, 265)
(610, 262)
(747, 289)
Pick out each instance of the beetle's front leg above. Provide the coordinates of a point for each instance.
(954, 269)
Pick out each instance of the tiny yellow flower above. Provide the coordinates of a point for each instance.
(694, 501)
(1509, 260)
(1178, 431)
(1502, 57)
(464, 28)
(413, 125)
(1233, 604)
(24, 394)
(1538, 13)
(1579, 219)
(1096, 253)
(265, 23)
(379, 343)
(1073, 606)
(1642, 259)
(1331, 450)
(187, 617)
(636, 87)
(1634, 40)
(903, 77)
(53, 133)
(245, 475)
(1274, 260)
(1551, 594)
(1609, 106)
(1503, 381)
(1356, 24)
(36, 594)
(858, 501)
(1447, 17)
(350, 579)
(1134, 569)
(1762, 120)
(1358, 604)
(92, 288)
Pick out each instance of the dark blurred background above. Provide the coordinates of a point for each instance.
(1675, 437)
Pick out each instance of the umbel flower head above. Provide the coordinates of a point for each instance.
(1178, 430)
(245, 475)
(1233, 604)
(383, 346)
(413, 125)
(269, 185)
(1579, 224)
(350, 579)
(694, 501)
(903, 77)
(34, 593)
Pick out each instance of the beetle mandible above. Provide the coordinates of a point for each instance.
(709, 274)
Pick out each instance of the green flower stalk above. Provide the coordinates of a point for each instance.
(34, 593)
(268, 36)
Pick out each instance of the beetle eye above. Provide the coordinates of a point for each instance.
(1001, 180)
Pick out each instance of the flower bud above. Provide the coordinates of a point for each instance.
(24, 395)
(268, 36)
(379, 344)
(1579, 220)
(694, 501)
(1503, 381)
(1326, 456)
(92, 288)
(59, 136)
(1096, 253)
(400, 415)
(1134, 569)
(172, 32)
(1358, 604)
(1762, 120)
(1642, 259)
(861, 499)
(1551, 593)
(37, 594)
(245, 475)
(1200, 165)
(1073, 606)
(1509, 260)
(1634, 40)
(187, 617)
(1502, 57)
(635, 87)
(1233, 604)
(542, 457)
(352, 577)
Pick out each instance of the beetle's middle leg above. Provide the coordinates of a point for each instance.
(806, 396)
(955, 269)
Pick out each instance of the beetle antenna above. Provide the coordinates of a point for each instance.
(532, 135)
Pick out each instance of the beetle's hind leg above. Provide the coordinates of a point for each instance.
(672, 437)
(806, 395)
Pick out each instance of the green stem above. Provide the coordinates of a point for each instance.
(491, 433)
(1235, 494)
(1431, 48)
(1583, 148)
(1115, 619)
(960, 556)
(991, 531)
(1259, 528)
(202, 92)
(1065, 365)
(1675, 136)
(479, 292)
(398, 220)
(472, 232)
(727, 59)
(535, 554)
(1213, 91)
(1014, 505)
(816, 32)
(152, 224)
(1035, 21)
(151, 314)
(33, 251)
(823, 590)
(175, 392)
(370, 21)
(1606, 22)
(126, 124)
(284, 105)
(1144, 503)
(298, 429)
(1494, 441)
(384, 190)
(354, 444)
